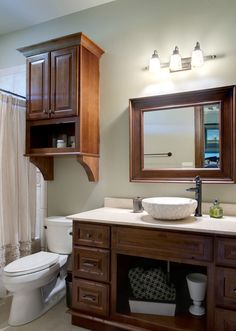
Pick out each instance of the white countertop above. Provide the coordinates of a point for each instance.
(122, 216)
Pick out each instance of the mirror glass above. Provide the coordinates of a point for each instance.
(182, 137)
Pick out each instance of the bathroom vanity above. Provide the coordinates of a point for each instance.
(108, 241)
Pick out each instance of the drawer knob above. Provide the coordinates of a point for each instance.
(88, 236)
(90, 298)
(234, 290)
(89, 264)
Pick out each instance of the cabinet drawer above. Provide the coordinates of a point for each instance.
(90, 297)
(226, 287)
(91, 235)
(162, 244)
(226, 252)
(225, 320)
(91, 263)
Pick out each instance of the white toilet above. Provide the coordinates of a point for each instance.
(37, 281)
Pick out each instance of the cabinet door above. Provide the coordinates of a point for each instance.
(226, 252)
(64, 82)
(38, 92)
(226, 287)
(225, 320)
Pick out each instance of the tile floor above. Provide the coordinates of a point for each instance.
(56, 319)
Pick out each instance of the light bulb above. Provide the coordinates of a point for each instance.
(175, 60)
(197, 59)
(154, 63)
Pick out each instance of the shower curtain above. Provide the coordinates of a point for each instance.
(17, 184)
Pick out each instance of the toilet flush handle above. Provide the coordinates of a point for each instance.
(70, 232)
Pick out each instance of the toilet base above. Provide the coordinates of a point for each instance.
(28, 305)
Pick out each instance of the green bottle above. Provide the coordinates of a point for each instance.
(216, 211)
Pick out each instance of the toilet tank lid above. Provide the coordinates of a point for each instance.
(58, 220)
(31, 263)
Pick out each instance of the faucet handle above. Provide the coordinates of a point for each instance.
(137, 205)
(198, 179)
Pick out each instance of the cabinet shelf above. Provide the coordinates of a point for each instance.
(52, 152)
(181, 322)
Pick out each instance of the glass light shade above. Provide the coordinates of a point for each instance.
(175, 60)
(154, 63)
(197, 59)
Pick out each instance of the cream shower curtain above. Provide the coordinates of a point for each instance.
(17, 183)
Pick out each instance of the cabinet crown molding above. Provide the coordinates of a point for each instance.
(61, 42)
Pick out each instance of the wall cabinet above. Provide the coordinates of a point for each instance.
(63, 102)
(103, 255)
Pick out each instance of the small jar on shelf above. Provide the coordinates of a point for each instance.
(61, 143)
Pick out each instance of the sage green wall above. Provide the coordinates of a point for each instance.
(129, 31)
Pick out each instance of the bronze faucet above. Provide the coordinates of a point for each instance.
(198, 195)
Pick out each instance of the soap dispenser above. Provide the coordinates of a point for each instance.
(216, 211)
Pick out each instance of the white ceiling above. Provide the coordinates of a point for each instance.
(20, 14)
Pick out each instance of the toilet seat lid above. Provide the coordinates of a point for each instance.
(31, 263)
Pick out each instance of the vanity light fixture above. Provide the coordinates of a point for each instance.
(154, 63)
(175, 60)
(177, 63)
(197, 59)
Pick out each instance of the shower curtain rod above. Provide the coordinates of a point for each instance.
(14, 94)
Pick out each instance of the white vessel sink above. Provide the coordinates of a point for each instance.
(169, 208)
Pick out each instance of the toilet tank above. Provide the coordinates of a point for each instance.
(58, 231)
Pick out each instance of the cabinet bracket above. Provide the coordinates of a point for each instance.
(91, 166)
(45, 165)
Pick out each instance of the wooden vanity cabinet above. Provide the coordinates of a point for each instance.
(102, 255)
(225, 284)
(63, 102)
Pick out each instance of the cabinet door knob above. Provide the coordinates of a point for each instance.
(234, 290)
(45, 111)
(88, 236)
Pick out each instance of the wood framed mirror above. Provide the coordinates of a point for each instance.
(175, 137)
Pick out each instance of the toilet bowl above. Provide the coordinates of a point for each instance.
(37, 281)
